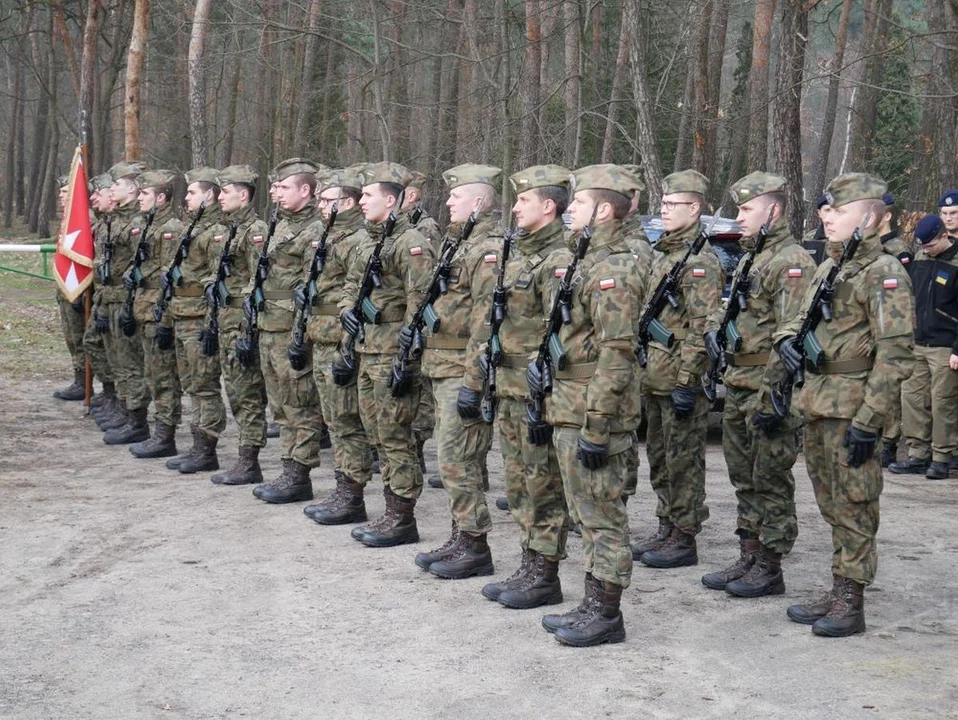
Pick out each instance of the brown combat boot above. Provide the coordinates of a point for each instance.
(655, 541)
(540, 587)
(763, 578)
(492, 591)
(205, 457)
(136, 429)
(343, 505)
(678, 551)
(74, 391)
(398, 526)
(591, 600)
(293, 485)
(749, 545)
(425, 559)
(600, 624)
(161, 445)
(469, 557)
(846, 616)
(808, 613)
(246, 471)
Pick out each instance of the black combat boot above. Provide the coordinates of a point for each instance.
(205, 457)
(749, 546)
(953, 464)
(293, 485)
(272, 430)
(808, 613)
(541, 587)
(343, 505)
(434, 481)
(846, 616)
(492, 591)
(74, 391)
(763, 578)
(590, 601)
(470, 557)
(174, 462)
(655, 541)
(100, 399)
(115, 418)
(889, 453)
(678, 551)
(602, 624)
(425, 559)
(502, 503)
(136, 430)
(102, 415)
(161, 445)
(937, 471)
(246, 471)
(910, 466)
(398, 526)
(325, 442)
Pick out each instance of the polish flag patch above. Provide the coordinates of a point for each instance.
(905, 260)
(136, 231)
(490, 258)
(219, 238)
(167, 236)
(606, 283)
(795, 272)
(415, 250)
(560, 272)
(257, 238)
(890, 283)
(698, 272)
(315, 243)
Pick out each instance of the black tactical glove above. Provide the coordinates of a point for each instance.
(768, 423)
(301, 296)
(101, 322)
(343, 375)
(712, 346)
(163, 337)
(405, 339)
(861, 445)
(400, 381)
(468, 404)
(350, 322)
(128, 282)
(78, 305)
(212, 297)
(484, 367)
(209, 343)
(683, 401)
(540, 432)
(535, 378)
(298, 356)
(793, 357)
(127, 322)
(591, 455)
(245, 352)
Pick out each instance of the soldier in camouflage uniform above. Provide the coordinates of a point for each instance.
(464, 314)
(245, 387)
(71, 323)
(407, 257)
(125, 354)
(760, 448)
(159, 366)
(533, 481)
(101, 201)
(868, 351)
(594, 404)
(675, 405)
(292, 393)
(342, 189)
(199, 374)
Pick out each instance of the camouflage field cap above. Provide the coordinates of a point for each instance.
(344, 178)
(126, 170)
(293, 166)
(202, 174)
(417, 179)
(63, 180)
(386, 172)
(242, 174)
(155, 178)
(685, 181)
(605, 177)
(539, 176)
(854, 186)
(755, 184)
(636, 172)
(101, 181)
(470, 174)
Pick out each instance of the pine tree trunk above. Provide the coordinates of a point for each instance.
(573, 84)
(645, 132)
(618, 89)
(134, 69)
(758, 85)
(199, 138)
(531, 85)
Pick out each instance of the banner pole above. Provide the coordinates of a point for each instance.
(88, 295)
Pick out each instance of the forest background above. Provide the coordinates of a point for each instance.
(808, 89)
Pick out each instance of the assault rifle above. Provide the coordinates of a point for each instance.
(650, 328)
(820, 308)
(246, 346)
(728, 334)
(551, 355)
(296, 352)
(400, 380)
(133, 277)
(218, 296)
(103, 272)
(497, 314)
(173, 276)
(416, 215)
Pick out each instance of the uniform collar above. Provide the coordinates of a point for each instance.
(532, 243)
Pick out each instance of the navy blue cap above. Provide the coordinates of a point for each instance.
(949, 199)
(928, 228)
(888, 199)
(821, 202)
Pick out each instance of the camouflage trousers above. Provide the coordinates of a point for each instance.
(352, 450)
(125, 355)
(161, 377)
(245, 388)
(676, 452)
(426, 415)
(200, 377)
(389, 423)
(293, 397)
(71, 322)
(630, 482)
(95, 349)
(760, 468)
(891, 433)
(930, 406)
(461, 446)
(595, 502)
(533, 483)
(847, 497)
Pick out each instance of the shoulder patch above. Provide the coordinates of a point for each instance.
(257, 238)
(167, 236)
(560, 272)
(942, 277)
(417, 250)
(315, 243)
(219, 238)
(794, 272)
(490, 258)
(892, 283)
(698, 272)
(136, 231)
(904, 258)
(606, 283)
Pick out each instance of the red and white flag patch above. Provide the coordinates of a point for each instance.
(890, 283)
(490, 258)
(905, 260)
(167, 236)
(606, 283)
(415, 250)
(795, 272)
(315, 244)
(560, 272)
(136, 231)
(257, 238)
(698, 272)
(219, 238)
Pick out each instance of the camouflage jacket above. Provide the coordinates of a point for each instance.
(407, 257)
(208, 237)
(873, 320)
(639, 244)
(699, 292)
(127, 224)
(428, 227)
(598, 390)
(341, 246)
(464, 310)
(244, 254)
(893, 245)
(164, 236)
(291, 245)
(776, 284)
(531, 276)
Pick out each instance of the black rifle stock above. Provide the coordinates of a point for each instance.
(246, 346)
(133, 277)
(496, 315)
(172, 277)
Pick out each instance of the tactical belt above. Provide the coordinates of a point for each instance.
(391, 315)
(747, 359)
(277, 294)
(514, 361)
(192, 292)
(446, 342)
(149, 285)
(681, 333)
(327, 310)
(837, 367)
(235, 301)
(583, 371)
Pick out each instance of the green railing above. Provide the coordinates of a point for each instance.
(45, 252)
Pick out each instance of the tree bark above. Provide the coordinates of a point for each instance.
(235, 64)
(309, 63)
(716, 62)
(683, 154)
(865, 110)
(88, 62)
(699, 69)
(645, 132)
(573, 84)
(199, 140)
(531, 85)
(14, 85)
(134, 69)
(618, 88)
(758, 85)
(944, 72)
